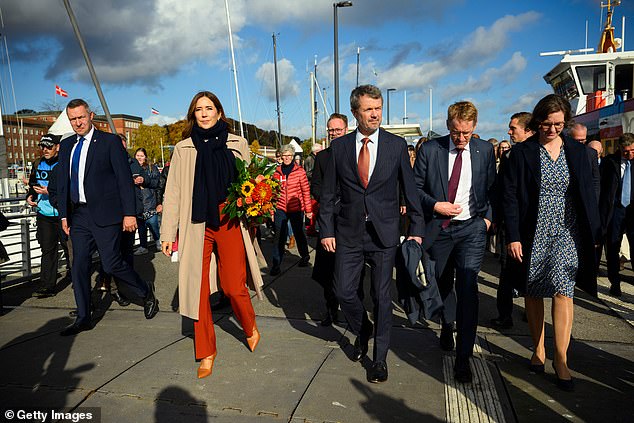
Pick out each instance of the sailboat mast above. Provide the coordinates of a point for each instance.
(91, 69)
(233, 63)
(277, 95)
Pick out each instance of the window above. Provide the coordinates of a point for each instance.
(592, 78)
(10, 155)
(564, 85)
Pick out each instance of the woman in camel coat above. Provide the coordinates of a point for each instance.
(205, 231)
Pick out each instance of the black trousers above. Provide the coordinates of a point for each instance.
(50, 235)
(349, 262)
(87, 236)
(622, 222)
(465, 244)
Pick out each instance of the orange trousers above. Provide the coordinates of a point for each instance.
(227, 243)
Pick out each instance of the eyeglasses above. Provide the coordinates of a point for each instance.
(557, 125)
(287, 155)
(47, 146)
(457, 134)
(336, 130)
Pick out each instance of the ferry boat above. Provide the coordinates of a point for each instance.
(599, 86)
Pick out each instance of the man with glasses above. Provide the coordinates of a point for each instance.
(49, 231)
(455, 176)
(324, 268)
(579, 132)
(96, 201)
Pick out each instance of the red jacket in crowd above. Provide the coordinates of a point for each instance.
(295, 194)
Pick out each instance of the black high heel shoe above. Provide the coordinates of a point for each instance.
(536, 368)
(567, 385)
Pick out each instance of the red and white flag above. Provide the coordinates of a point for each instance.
(154, 111)
(61, 92)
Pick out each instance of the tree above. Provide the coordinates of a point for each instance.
(255, 147)
(149, 137)
(175, 131)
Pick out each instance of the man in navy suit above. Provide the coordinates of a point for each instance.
(96, 200)
(365, 170)
(615, 206)
(455, 176)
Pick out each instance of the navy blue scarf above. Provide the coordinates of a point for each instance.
(215, 171)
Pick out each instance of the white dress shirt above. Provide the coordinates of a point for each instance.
(372, 148)
(82, 162)
(464, 196)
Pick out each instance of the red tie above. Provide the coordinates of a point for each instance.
(364, 162)
(453, 181)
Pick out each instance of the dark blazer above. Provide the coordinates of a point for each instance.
(108, 181)
(380, 199)
(521, 202)
(611, 185)
(431, 171)
(319, 170)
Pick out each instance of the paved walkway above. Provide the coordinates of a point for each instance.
(133, 370)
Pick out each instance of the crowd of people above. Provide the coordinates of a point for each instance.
(545, 200)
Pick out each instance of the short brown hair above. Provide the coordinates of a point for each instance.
(552, 103)
(626, 139)
(78, 102)
(523, 118)
(191, 118)
(463, 110)
(369, 90)
(344, 118)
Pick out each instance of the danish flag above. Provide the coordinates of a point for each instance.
(154, 111)
(61, 92)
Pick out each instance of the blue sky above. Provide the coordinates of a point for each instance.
(159, 53)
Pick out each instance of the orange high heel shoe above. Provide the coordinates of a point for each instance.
(253, 339)
(206, 366)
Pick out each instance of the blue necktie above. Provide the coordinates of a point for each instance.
(626, 190)
(74, 171)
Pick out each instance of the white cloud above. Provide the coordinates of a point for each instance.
(484, 43)
(476, 50)
(505, 74)
(288, 86)
(526, 102)
(161, 120)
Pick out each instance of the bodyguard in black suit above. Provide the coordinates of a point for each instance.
(455, 176)
(365, 169)
(96, 198)
(615, 206)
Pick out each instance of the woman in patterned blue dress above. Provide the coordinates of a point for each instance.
(552, 224)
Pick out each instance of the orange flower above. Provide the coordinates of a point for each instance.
(259, 179)
(262, 192)
(248, 200)
(239, 202)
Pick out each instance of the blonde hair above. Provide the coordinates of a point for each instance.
(463, 110)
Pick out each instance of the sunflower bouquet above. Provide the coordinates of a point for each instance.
(254, 193)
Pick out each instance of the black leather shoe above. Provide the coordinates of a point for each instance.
(462, 372)
(360, 349)
(502, 323)
(304, 261)
(378, 372)
(44, 293)
(150, 303)
(447, 342)
(275, 270)
(327, 320)
(75, 328)
(119, 299)
(615, 290)
(538, 369)
(567, 385)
